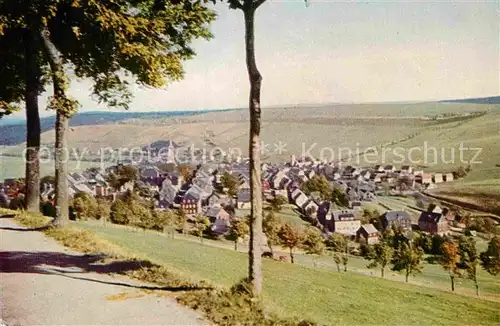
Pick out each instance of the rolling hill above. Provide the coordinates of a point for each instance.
(330, 130)
(13, 131)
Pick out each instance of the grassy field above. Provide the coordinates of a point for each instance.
(287, 214)
(318, 294)
(482, 194)
(13, 167)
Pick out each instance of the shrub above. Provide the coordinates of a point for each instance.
(120, 212)
(17, 203)
(85, 206)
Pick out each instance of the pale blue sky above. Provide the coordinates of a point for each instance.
(339, 51)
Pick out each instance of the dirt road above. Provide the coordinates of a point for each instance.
(43, 283)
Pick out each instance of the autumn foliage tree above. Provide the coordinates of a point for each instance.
(291, 237)
(450, 260)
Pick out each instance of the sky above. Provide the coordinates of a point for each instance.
(336, 51)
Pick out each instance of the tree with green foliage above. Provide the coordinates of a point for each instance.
(120, 212)
(339, 197)
(291, 237)
(490, 259)
(22, 82)
(85, 205)
(450, 260)
(99, 41)
(320, 185)
(181, 221)
(123, 175)
(201, 224)
(470, 258)
(371, 216)
(238, 230)
(271, 228)
(142, 217)
(337, 258)
(408, 258)
(103, 210)
(382, 256)
(277, 203)
(338, 243)
(230, 183)
(313, 243)
(165, 221)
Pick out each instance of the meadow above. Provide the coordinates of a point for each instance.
(319, 294)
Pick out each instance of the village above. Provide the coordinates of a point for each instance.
(203, 190)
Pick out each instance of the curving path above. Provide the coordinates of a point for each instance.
(43, 283)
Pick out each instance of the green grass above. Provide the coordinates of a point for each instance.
(318, 294)
(287, 214)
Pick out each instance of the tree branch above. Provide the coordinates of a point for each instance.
(257, 3)
(235, 4)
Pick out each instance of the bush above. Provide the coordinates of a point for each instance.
(103, 209)
(4, 200)
(120, 212)
(48, 209)
(481, 224)
(17, 203)
(365, 250)
(85, 206)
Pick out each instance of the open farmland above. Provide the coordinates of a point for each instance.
(328, 131)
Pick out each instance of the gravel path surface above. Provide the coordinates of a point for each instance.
(43, 283)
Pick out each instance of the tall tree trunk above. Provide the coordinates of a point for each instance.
(291, 256)
(236, 245)
(407, 274)
(477, 285)
(452, 283)
(61, 166)
(254, 253)
(270, 245)
(32, 182)
(61, 129)
(382, 271)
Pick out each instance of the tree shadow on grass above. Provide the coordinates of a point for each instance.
(68, 265)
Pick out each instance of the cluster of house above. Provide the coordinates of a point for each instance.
(200, 194)
(433, 221)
